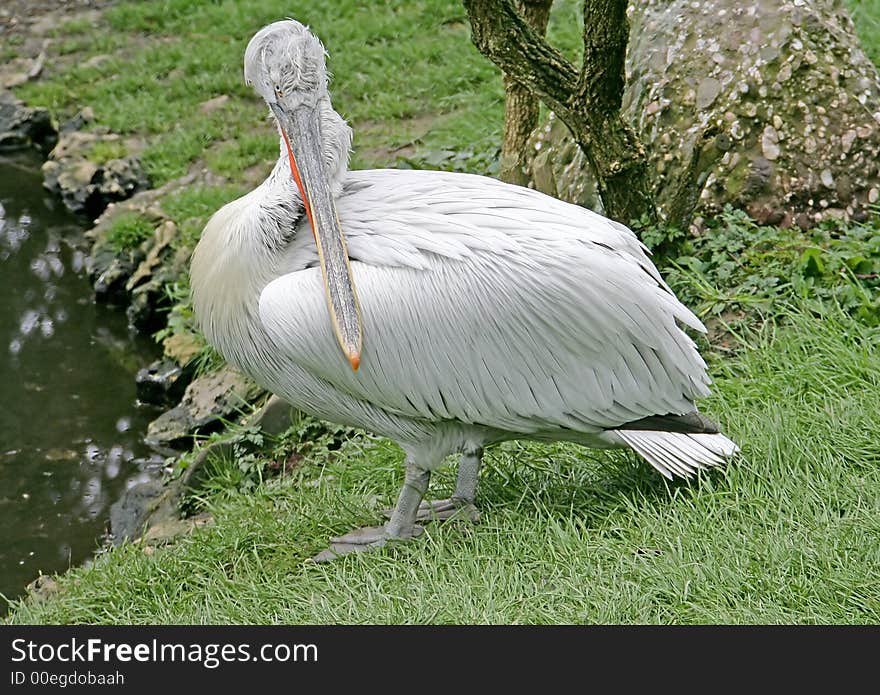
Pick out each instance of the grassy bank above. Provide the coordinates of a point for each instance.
(787, 534)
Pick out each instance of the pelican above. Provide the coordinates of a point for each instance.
(445, 311)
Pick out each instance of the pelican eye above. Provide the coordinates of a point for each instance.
(278, 91)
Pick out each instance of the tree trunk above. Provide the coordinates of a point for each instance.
(587, 100)
(521, 107)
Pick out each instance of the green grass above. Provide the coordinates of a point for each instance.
(244, 152)
(128, 230)
(787, 534)
(866, 17)
(168, 57)
(739, 270)
(191, 208)
(163, 66)
(105, 150)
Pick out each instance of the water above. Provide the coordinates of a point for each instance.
(70, 425)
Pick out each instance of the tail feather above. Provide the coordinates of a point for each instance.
(662, 459)
(677, 453)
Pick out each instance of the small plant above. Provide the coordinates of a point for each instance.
(128, 231)
(252, 456)
(738, 266)
(181, 321)
(466, 161)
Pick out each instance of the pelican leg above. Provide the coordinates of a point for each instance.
(461, 504)
(402, 525)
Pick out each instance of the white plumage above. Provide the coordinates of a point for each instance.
(488, 311)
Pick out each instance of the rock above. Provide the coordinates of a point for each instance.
(163, 235)
(83, 117)
(147, 310)
(163, 382)
(23, 126)
(85, 186)
(207, 400)
(174, 428)
(156, 506)
(275, 416)
(770, 143)
(169, 530)
(153, 504)
(42, 587)
(557, 167)
(97, 61)
(146, 285)
(707, 91)
(785, 83)
(150, 500)
(182, 347)
(109, 272)
(215, 104)
(14, 79)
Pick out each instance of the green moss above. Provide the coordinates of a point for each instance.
(128, 231)
(105, 150)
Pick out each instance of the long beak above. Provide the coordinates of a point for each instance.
(299, 127)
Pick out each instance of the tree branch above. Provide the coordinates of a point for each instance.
(588, 100)
(606, 34)
(521, 106)
(505, 38)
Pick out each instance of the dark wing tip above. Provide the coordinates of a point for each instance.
(689, 423)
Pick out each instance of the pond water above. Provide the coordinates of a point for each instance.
(70, 423)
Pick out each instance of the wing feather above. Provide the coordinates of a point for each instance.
(493, 304)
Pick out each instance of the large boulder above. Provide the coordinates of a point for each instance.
(779, 98)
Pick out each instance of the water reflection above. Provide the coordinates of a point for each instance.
(70, 426)
(47, 265)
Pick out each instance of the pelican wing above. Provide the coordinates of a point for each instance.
(491, 304)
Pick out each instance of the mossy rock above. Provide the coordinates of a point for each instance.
(790, 100)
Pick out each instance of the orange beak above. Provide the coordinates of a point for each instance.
(299, 128)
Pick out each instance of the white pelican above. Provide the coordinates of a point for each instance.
(482, 312)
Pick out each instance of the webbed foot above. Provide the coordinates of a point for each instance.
(442, 510)
(362, 540)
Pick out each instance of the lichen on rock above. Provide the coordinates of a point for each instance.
(206, 401)
(780, 98)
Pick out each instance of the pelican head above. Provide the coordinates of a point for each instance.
(284, 63)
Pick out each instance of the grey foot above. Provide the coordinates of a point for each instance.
(361, 540)
(441, 510)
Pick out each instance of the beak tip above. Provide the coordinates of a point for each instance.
(354, 359)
